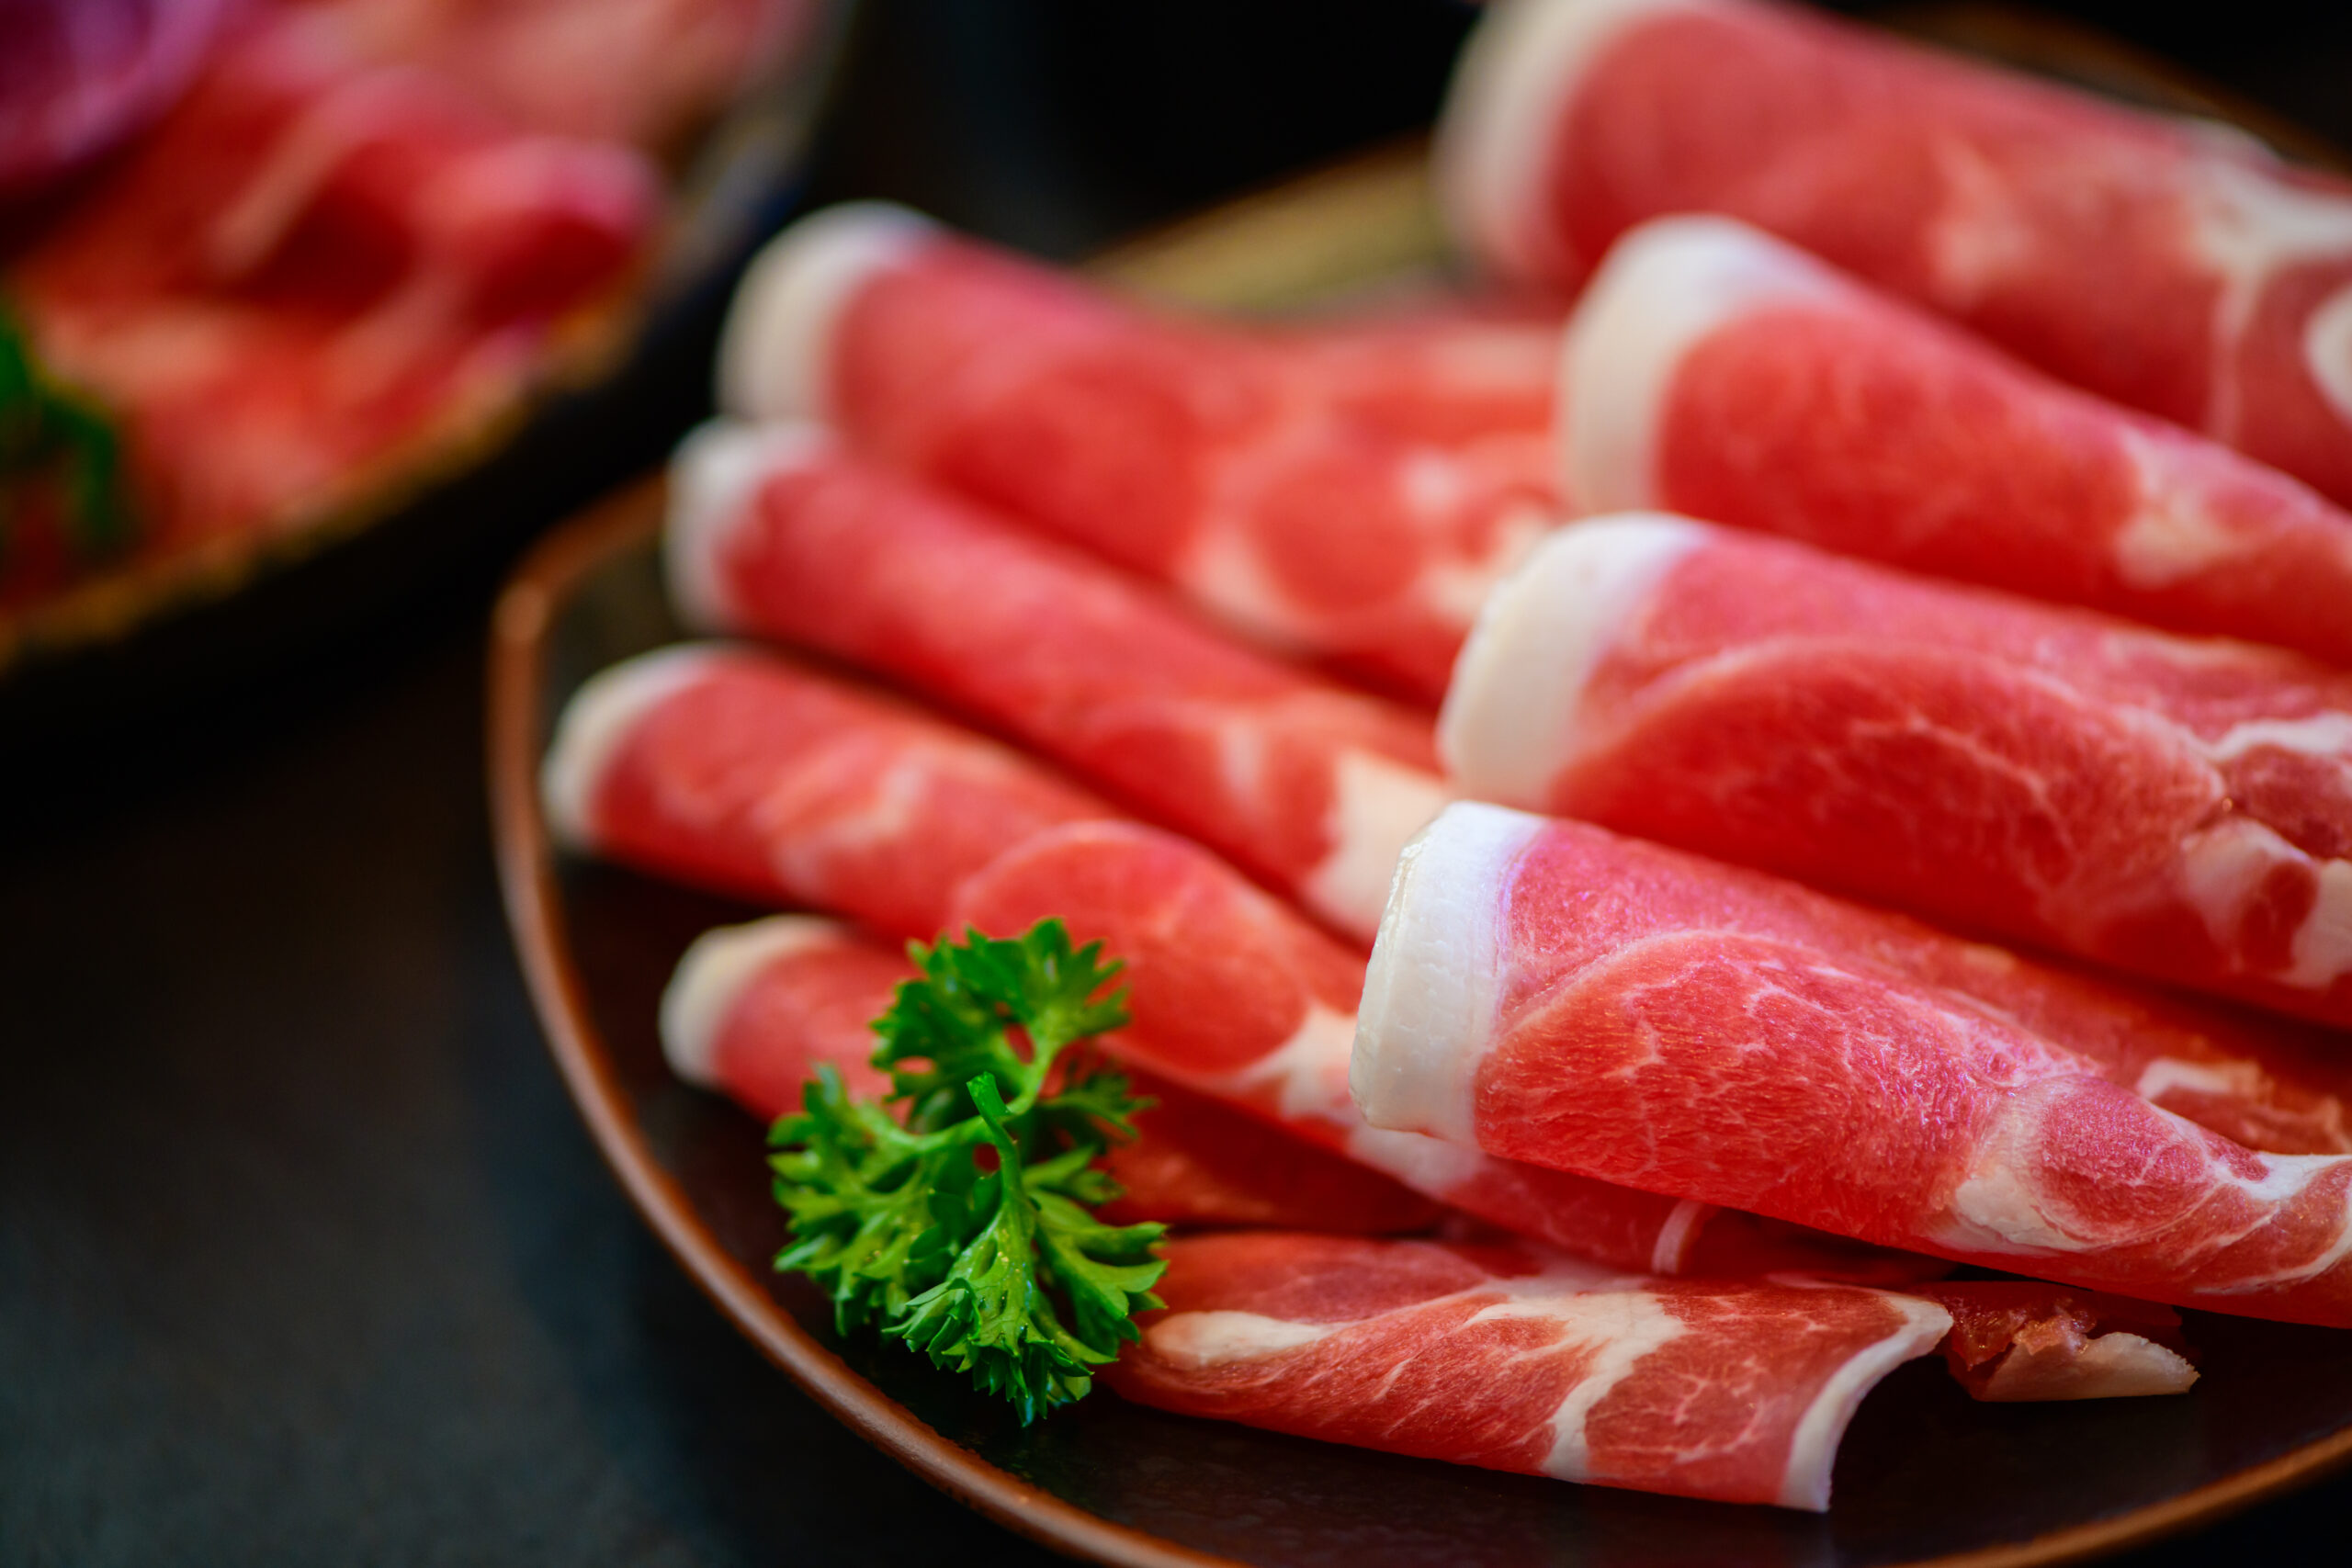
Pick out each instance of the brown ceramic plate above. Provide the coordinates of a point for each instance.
(1926, 1475)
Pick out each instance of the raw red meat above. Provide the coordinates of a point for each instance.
(311, 269)
(2177, 806)
(1545, 991)
(1446, 369)
(1719, 373)
(737, 771)
(777, 532)
(1232, 994)
(1351, 525)
(755, 1010)
(2271, 1085)
(2170, 265)
(1515, 1360)
(636, 70)
(740, 772)
(2016, 1341)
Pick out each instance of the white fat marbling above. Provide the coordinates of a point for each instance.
(2234, 1080)
(1516, 78)
(595, 721)
(2319, 734)
(1222, 571)
(1199, 1341)
(2171, 535)
(1430, 994)
(2327, 352)
(1376, 808)
(714, 474)
(1671, 1251)
(2248, 225)
(701, 994)
(2113, 1366)
(1995, 1209)
(1626, 1326)
(775, 352)
(1813, 1450)
(2322, 948)
(1430, 1166)
(2224, 867)
(1511, 719)
(1308, 1072)
(1665, 289)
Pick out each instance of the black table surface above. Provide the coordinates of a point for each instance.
(304, 1256)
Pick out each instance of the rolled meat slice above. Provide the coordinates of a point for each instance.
(755, 1010)
(738, 770)
(1518, 1359)
(1545, 991)
(2170, 265)
(1255, 481)
(2275, 1086)
(1717, 372)
(2177, 806)
(1233, 995)
(778, 532)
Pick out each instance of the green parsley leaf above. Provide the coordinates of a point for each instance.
(956, 1214)
(55, 440)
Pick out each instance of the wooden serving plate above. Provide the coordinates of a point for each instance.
(1926, 1475)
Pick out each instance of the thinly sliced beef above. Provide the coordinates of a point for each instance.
(738, 771)
(1720, 373)
(1293, 491)
(1545, 991)
(743, 772)
(2166, 263)
(777, 532)
(1517, 1359)
(2177, 806)
(754, 1010)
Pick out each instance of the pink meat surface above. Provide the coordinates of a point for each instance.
(313, 266)
(2175, 807)
(643, 72)
(743, 772)
(1719, 373)
(754, 1011)
(1329, 515)
(1445, 370)
(1233, 995)
(1518, 1361)
(2168, 265)
(1545, 991)
(779, 533)
(740, 772)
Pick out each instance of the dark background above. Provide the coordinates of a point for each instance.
(304, 1257)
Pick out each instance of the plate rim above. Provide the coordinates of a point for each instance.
(526, 611)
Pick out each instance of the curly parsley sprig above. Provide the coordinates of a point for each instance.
(991, 1263)
(54, 439)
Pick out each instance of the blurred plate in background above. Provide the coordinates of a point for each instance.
(612, 387)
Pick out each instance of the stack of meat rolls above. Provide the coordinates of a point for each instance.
(1613, 1144)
